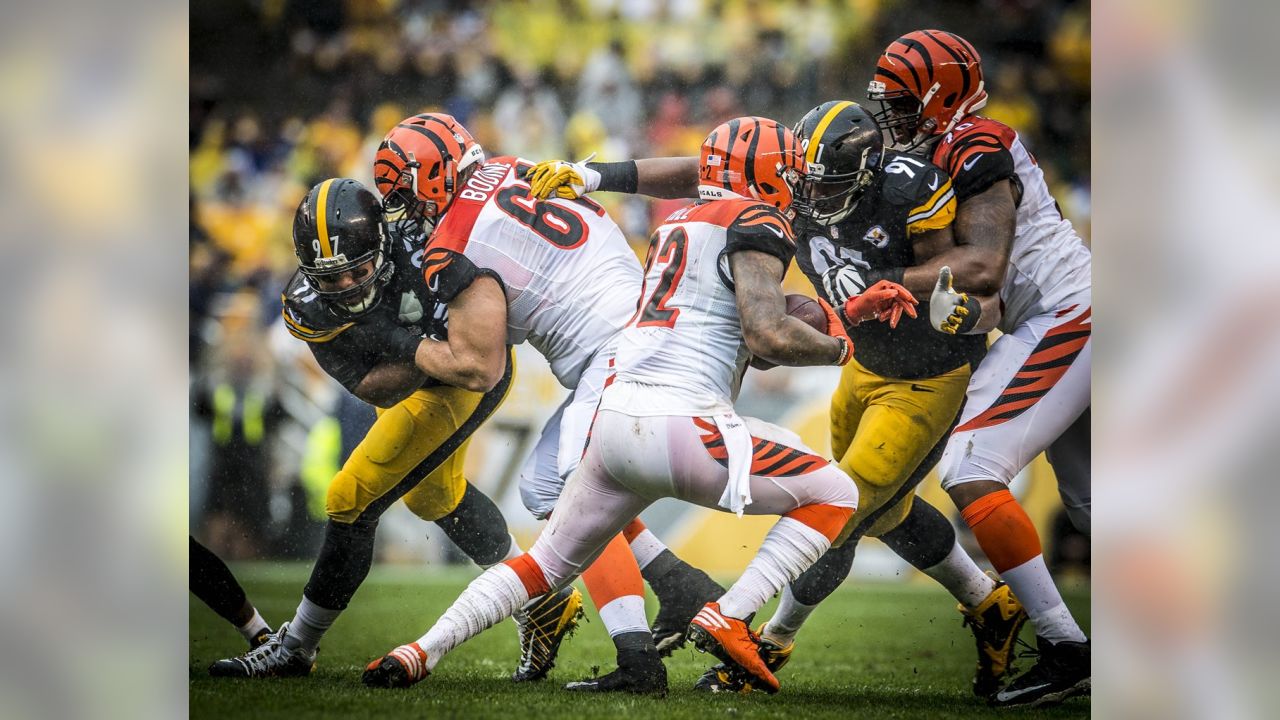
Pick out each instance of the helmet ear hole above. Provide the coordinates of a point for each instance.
(768, 187)
(950, 100)
(435, 172)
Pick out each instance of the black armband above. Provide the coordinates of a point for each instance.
(620, 177)
(893, 274)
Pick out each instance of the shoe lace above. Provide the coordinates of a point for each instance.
(263, 657)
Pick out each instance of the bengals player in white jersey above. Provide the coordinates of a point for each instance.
(666, 427)
(1031, 393)
(559, 274)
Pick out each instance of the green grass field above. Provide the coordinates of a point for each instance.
(873, 650)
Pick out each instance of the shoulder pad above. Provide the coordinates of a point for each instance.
(910, 180)
(303, 315)
(976, 154)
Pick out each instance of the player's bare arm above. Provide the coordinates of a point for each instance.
(767, 329)
(983, 230)
(929, 245)
(475, 355)
(389, 383)
(668, 178)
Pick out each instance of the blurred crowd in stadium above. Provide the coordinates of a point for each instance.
(539, 79)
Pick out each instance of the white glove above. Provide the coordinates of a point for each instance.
(563, 179)
(844, 281)
(949, 311)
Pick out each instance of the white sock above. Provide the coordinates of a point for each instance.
(962, 578)
(255, 625)
(788, 550)
(624, 614)
(309, 625)
(513, 552)
(487, 601)
(646, 546)
(786, 622)
(1034, 586)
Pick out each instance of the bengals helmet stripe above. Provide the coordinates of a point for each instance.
(322, 220)
(816, 141)
(750, 158)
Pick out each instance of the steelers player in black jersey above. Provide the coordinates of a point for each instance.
(861, 210)
(359, 301)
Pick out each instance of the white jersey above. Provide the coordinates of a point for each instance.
(570, 278)
(683, 351)
(1048, 262)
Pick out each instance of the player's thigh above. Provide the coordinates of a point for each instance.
(847, 407)
(407, 442)
(905, 422)
(592, 509)
(1033, 384)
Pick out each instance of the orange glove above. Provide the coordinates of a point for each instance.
(884, 301)
(835, 328)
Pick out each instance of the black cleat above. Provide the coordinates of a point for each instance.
(271, 658)
(400, 668)
(722, 677)
(544, 623)
(1062, 671)
(995, 624)
(640, 672)
(681, 593)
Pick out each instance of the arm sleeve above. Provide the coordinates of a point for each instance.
(761, 228)
(449, 272)
(978, 161)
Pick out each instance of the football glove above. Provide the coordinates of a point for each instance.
(842, 282)
(835, 328)
(949, 311)
(885, 301)
(562, 179)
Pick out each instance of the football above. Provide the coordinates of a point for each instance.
(807, 310)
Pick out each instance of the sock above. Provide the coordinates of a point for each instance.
(255, 625)
(962, 578)
(1012, 544)
(616, 589)
(488, 600)
(790, 547)
(786, 622)
(309, 625)
(645, 546)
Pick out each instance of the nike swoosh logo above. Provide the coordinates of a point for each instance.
(971, 161)
(920, 388)
(1006, 695)
(774, 230)
(934, 185)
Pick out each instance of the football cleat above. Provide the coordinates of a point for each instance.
(262, 636)
(731, 640)
(544, 623)
(681, 594)
(1062, 671)
(400, 668)
(269, 659)
(995, 624)
(639, 671)
(726, 678)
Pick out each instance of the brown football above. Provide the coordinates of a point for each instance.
(807, 310)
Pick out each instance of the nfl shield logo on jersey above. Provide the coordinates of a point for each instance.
(877, 236)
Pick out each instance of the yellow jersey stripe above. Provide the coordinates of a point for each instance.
(322, 206)
(812, 153)
(932, 201)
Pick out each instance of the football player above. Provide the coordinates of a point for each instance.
(211, 581)
(559, 274)
(1031, 392)
(665, 427)
(360, 303)
(859, 209)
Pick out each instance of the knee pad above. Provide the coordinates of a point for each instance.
(439, 493)
(342, 501)
(965, 461)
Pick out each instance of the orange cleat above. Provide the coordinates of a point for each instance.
(731, 640)
(400, 668)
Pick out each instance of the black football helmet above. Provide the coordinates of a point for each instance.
(342, 246)
(842, 152)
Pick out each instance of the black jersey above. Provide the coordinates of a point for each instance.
(911, 195)
(349, 349)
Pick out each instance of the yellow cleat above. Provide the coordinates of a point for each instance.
(546, 621)
(995, 624)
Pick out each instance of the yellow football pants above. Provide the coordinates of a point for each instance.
(881, 429)
(415, 450)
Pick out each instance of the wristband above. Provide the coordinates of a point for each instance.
(620, 177)
(846, 349)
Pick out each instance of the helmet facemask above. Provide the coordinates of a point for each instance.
(370, 272)
(403, 207)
